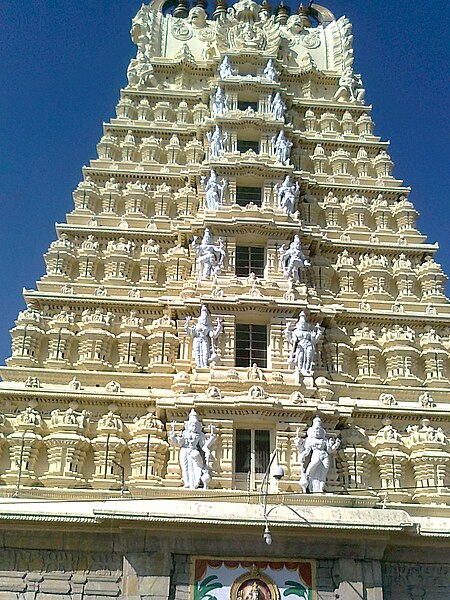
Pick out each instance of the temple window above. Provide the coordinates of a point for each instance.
(251, 345)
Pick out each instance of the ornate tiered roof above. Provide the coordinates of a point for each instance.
(240, 257)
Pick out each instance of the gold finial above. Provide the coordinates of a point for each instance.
(282, 13)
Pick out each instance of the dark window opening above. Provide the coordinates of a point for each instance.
(251, 345)
(244, 145)
(245, 195)
(244, 104)
(249, 260)
(252, 451)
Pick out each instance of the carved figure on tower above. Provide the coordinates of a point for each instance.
(270, 71)
(282, 147)
(214, 191)
(204, 335)
(292, 260)
(210, 257)
(217, 141)
(277, 107)
(220, 102)
(350, 87)
(288, 194)
(318, 448)
(195, 451)
(225, 69)
(303, 342)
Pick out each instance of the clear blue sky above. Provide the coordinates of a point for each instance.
(64, 61)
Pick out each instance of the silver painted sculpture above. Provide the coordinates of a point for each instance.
(195, 451)
(282, 147)
(318, 448)
(225, 69)
(204, 336)
(278, 107)
(210, 257)
(219, 103)
(288, 194)
(303, 341)
(293, 260)
(350, 87)
(217, 141)
(270, 71)
(214, 191)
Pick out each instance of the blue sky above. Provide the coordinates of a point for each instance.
(64, 61)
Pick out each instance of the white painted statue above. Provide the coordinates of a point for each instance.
(270, 71)
(225, 69)
(210, 256)
(293, 260)
(350, 87)
(195, 451)
(282, 147)
(304, 342)
(277, 106)
(219, 103)
(204, 335)
(318, 447)
(214, 191)
(217, 141)
(288, 194)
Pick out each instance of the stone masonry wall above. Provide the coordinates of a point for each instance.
(139, 564)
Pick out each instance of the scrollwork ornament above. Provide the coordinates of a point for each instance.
(180, 30)
(310, 39)
(206, 35)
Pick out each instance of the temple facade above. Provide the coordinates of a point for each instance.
(232, 382)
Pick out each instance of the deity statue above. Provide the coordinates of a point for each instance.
(282, 147)
(140, 72)
(214, 191)
(317, 445)
(195, 451)
(204, 334)
(74, 384)
(217, 141)
(277, 107)
(219, 103)
(29, 416)
(350, 87)
(254, 593)
(304, 342)
(293, 260)
(270, 71)
(209, 256)
(225, 69)
(288, 194)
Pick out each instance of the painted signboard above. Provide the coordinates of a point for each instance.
(250, 579)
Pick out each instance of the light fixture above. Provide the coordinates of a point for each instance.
(267, 535)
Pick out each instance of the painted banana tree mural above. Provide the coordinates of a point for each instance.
(294, 588)
(202, 590)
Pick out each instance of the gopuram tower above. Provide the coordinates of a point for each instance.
(236, 367)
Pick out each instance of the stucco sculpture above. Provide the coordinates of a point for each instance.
(214, 191)
(278, 107)
(210, 256)
(204, 335)
(350, 87)
(282, 147)
(303, 342)
(225, 69)
(217, 141)
(288, 194)
(195, 451)
(292, 260)
(270, 71)
(318, 448)
(219, 102)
